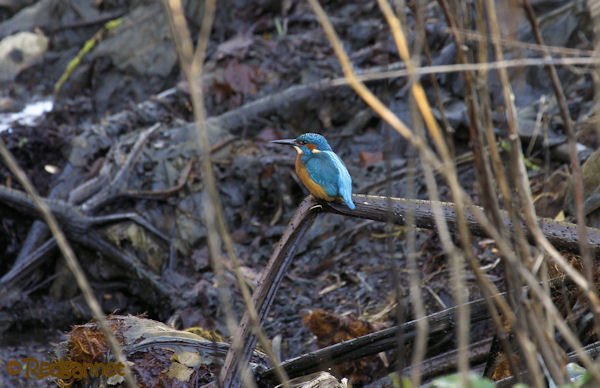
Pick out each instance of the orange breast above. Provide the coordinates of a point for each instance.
(313, 187)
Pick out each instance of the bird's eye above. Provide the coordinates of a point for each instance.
(303, 142)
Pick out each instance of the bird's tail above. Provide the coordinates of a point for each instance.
(347, 197)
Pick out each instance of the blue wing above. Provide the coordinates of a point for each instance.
(328, 170)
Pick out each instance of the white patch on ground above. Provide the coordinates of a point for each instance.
(27, 116)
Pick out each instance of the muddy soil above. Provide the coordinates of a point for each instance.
(130, 80)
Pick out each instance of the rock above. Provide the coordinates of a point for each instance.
(42, 14)
(19, 51)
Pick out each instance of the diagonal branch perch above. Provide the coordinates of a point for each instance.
(244, 341)
(563, 236)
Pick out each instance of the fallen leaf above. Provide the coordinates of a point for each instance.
(369, 158)
(330, 328)
(235, 46)
(242, 78)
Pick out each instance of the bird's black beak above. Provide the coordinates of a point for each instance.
(290, 142)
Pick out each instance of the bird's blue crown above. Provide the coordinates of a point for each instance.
(313, 138)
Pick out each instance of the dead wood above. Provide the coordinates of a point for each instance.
(374, 343)
(562, 235)
(592, 349)
(86, 146)
(71, 182)
(80, 228)
(244, 341)
(85, 149)
(159, 354)
(446, 363)
(440, 324)
(34, 313)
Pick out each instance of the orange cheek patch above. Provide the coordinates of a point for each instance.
(311, 147)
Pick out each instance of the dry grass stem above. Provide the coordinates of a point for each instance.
(192, 66)
(71, 261)
(517, 256)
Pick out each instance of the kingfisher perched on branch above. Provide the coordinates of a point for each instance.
(320, 169)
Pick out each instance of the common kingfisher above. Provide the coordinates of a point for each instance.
(320, 169)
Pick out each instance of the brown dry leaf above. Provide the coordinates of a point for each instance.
(331, 328)
(87, 344)
(242, 78)
(501, 369)
(549, 193)
(221, 91)
(369, 158)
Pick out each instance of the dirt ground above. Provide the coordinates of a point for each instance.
(130, 81)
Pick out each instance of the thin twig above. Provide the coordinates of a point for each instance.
(511, 43)
(499, 174)
(373, 343)
(462, 67)
(71, 261)
(456, 257)
(282, 256)
(485, 180)
(192, 65)
(415, 276)
(183, 43)
(427, 155)
(573, 153)
(415, 281)
(527, 208)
